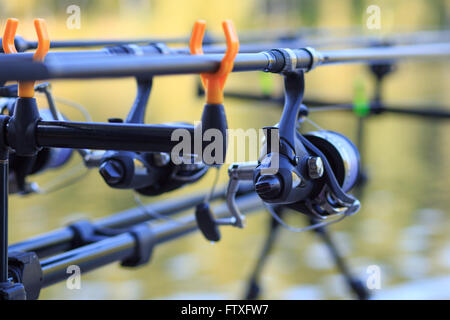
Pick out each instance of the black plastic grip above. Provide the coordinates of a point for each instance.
(206, 222)
(213, 117)
(22, 127)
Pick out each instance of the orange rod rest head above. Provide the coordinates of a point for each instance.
(195, 43)
(9, 35)
(43, 40)
(215, 82)
(26, 89)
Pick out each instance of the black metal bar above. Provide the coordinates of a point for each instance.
(120, 247)
(108, 136)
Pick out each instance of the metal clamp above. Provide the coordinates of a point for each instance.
(316, 57)
(290, 59)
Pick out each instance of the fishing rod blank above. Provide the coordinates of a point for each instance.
(425, 111)
(275, 60)
(251, 40)
(61, 240)
(122, 246)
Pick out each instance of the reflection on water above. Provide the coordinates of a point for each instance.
(401, 227)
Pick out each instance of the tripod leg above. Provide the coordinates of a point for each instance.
(356, 286)
(253, 286)
(362, 178)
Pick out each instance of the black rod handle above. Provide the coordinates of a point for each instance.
(214, 126)
(109, 136)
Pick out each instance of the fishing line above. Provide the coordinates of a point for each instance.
(337, 107)
(211, 192)
(152, 213)
(295, 229)
(315, 125)
(75, 105)
(177, 177)
(64, 180)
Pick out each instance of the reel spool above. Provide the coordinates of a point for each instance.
(344, 161)
(341, 153)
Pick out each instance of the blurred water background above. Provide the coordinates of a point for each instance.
(404, 222)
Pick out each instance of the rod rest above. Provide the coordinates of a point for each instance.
(21, 133)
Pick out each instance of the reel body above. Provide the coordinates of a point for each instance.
(309, 173)
(149, 173)
(301, 182)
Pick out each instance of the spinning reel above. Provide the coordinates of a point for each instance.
(309, 173)
(154, 173)
(148, 173)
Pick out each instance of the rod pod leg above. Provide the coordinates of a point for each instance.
(355, 285)
(8, 289)
(253, 290)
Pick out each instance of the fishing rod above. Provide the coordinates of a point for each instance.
(317, 37)
(125, 237)
(201, 225)
(23, 45)
(42, 261)
(361, 109)
(434, 112)
(65, 239)
(26, 118)
(158, 48)
(275, 61)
